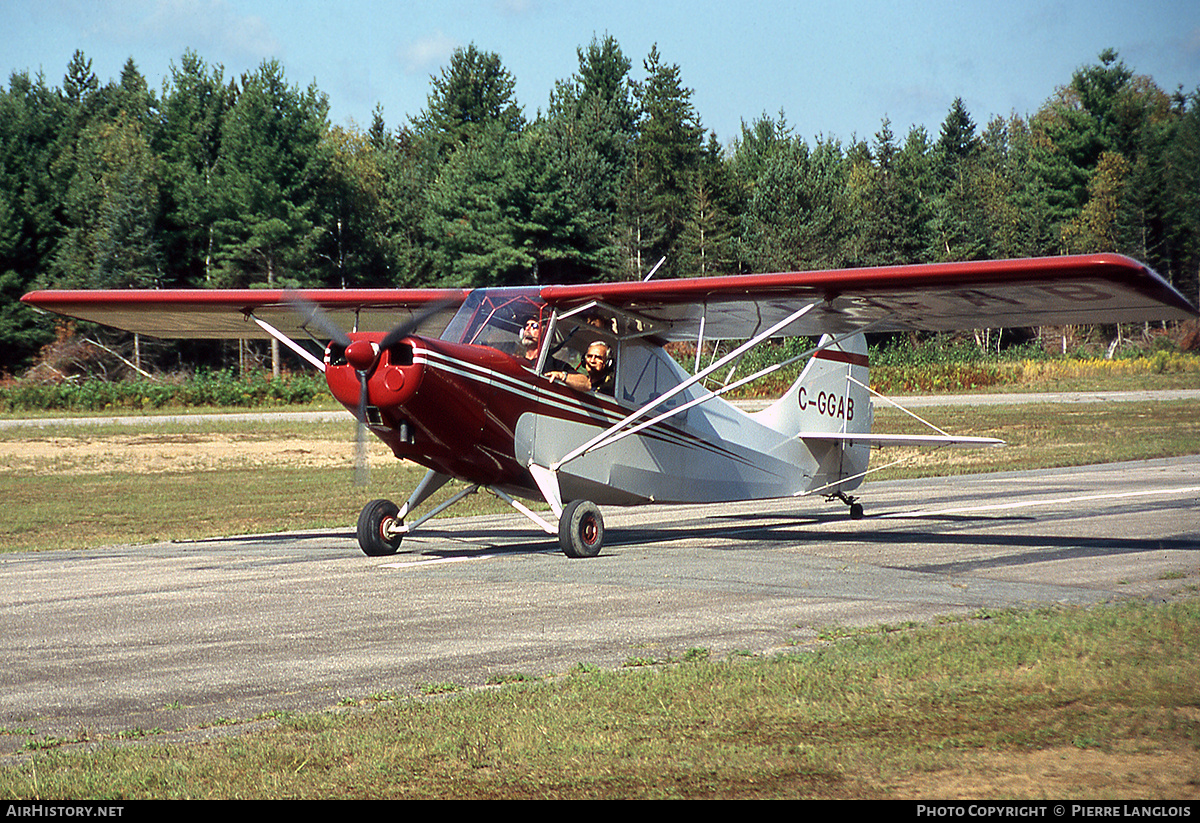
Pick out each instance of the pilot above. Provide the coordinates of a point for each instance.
(598, 374)
(531, 339)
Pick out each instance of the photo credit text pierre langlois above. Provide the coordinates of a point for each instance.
(1055, 810)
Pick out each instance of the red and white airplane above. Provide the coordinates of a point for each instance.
(449, 386)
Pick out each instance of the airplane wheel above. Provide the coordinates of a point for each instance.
(856, 511)
(372, 520)
(581, 529)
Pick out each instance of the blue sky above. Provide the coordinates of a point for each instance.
(833, 68)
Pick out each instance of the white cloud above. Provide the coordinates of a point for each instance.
(426, 54)
(211, 26)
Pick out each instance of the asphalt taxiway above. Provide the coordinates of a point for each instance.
(185, 635)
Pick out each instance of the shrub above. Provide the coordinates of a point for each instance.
(223, 389)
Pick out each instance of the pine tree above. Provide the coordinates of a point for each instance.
(666, 157)
(269, 169)
(581, 154)
(473, 91)
(195, 101)
(476, 221)
(959, 226)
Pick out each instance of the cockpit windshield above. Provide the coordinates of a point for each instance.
(517, 322)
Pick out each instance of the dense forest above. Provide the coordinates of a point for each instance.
(242, 182)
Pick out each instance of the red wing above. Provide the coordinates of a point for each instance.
(1103, 288)
(940, 297)
(224, 314)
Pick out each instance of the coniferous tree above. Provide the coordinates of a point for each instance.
(796, 218)
(959, 224)
(110, 202)
(581, 154)
(1181, 196)
(880, 209)
(478, 209)
(32, 117)
(707, 245)
(477, 214)
(666, 155)
(269, 170)
(475, 90)
(27, 227)
(409, 171)
(195, 100)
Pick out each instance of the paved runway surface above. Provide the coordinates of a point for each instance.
(176, 636)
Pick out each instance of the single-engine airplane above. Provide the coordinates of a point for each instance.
(441, 375)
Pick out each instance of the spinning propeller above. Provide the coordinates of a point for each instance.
(363, 355)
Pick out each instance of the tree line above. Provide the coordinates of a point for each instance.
(243, 182)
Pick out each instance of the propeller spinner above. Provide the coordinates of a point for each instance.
(363, 356)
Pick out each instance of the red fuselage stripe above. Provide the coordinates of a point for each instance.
(843, 357)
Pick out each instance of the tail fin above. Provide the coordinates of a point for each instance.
(829, 397)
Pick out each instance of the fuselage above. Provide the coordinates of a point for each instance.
(474, 412)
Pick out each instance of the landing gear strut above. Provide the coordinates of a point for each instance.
(381, 524)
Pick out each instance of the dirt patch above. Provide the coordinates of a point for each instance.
(158, 453)
(1062, 773)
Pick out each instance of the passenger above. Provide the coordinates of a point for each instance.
(598, 376)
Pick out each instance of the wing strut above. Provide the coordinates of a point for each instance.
(724, 389)
(606, 437)
(289, 342)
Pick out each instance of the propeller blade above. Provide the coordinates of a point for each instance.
(362, 469)
(312, 314)
(404, 329)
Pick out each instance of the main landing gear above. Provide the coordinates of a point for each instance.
(581, 529)
(379, 528)
(381, 525)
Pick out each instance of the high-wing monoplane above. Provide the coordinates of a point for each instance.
(473, 384)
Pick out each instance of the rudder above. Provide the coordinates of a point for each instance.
(830, 397)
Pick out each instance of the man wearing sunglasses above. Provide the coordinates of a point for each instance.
(598, 374)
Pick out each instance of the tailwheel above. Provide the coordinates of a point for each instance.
(376, 524)
(581, 529)
(856, 509)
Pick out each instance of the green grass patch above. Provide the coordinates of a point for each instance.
(1041, 436)
(82, 511)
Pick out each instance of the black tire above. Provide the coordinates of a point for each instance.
(581, 529)
(371, 521)
(856, 511)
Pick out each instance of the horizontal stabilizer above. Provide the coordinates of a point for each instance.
(877, 439)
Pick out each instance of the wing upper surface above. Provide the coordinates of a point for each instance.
(224, 314)
(934, 297)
